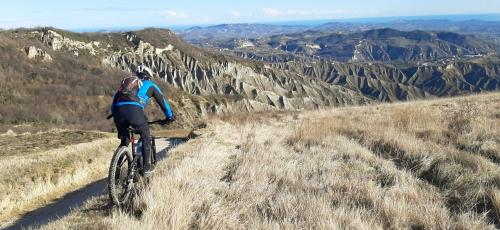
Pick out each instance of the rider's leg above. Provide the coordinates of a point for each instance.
(135, 115)
(125, 141)
(146, 145)
(121, 124)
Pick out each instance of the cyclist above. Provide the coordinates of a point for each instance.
(128, 110)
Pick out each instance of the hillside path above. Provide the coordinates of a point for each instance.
(73, 200)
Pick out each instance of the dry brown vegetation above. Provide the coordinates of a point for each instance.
(37, 168)
(75, 92)
(66, 92)
(27, 143)
(69, 92)
(419, 165)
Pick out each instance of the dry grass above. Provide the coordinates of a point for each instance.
(37, 168)
(25, 144)
(420, 165)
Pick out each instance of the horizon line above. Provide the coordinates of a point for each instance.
(285, 22)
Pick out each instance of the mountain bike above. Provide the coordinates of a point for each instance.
(125, 171)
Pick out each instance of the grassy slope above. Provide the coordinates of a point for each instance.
(37, 168)
(431, 164)
(69, 92)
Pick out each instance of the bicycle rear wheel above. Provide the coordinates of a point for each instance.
(119, 184)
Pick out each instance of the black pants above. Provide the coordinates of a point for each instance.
(132, 115)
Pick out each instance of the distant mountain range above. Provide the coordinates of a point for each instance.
(468, 27)
(202, 35)
(384, 64)
(385, 45)
(199, 35)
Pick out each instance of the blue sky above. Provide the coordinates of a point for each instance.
(69, 14)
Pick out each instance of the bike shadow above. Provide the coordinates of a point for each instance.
(173, 143)
(74, 200)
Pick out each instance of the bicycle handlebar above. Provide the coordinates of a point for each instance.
(160, 122)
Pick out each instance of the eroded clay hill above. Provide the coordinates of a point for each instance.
(68, 72)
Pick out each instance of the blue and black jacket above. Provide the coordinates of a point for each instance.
(146, 91)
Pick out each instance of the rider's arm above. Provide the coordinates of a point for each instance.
(115, 98)
(155, 92)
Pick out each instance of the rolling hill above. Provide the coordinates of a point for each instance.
(55, 77)
(51, 77)
(384, 45)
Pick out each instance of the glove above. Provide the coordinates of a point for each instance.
(168, 120)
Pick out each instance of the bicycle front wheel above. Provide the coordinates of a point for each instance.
(119, 184)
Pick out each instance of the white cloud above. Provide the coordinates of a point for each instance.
(271, 12)
(172, 14)
(134, 9)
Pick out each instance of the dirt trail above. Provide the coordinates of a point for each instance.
(75, 199)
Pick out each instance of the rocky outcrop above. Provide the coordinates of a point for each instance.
(37, 53)
(256, 87)
(222, 84)
(287, 82)
(58, 41)
(391, 83)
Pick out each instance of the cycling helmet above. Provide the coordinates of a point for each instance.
(143, 71)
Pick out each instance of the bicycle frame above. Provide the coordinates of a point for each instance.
(135, 161)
